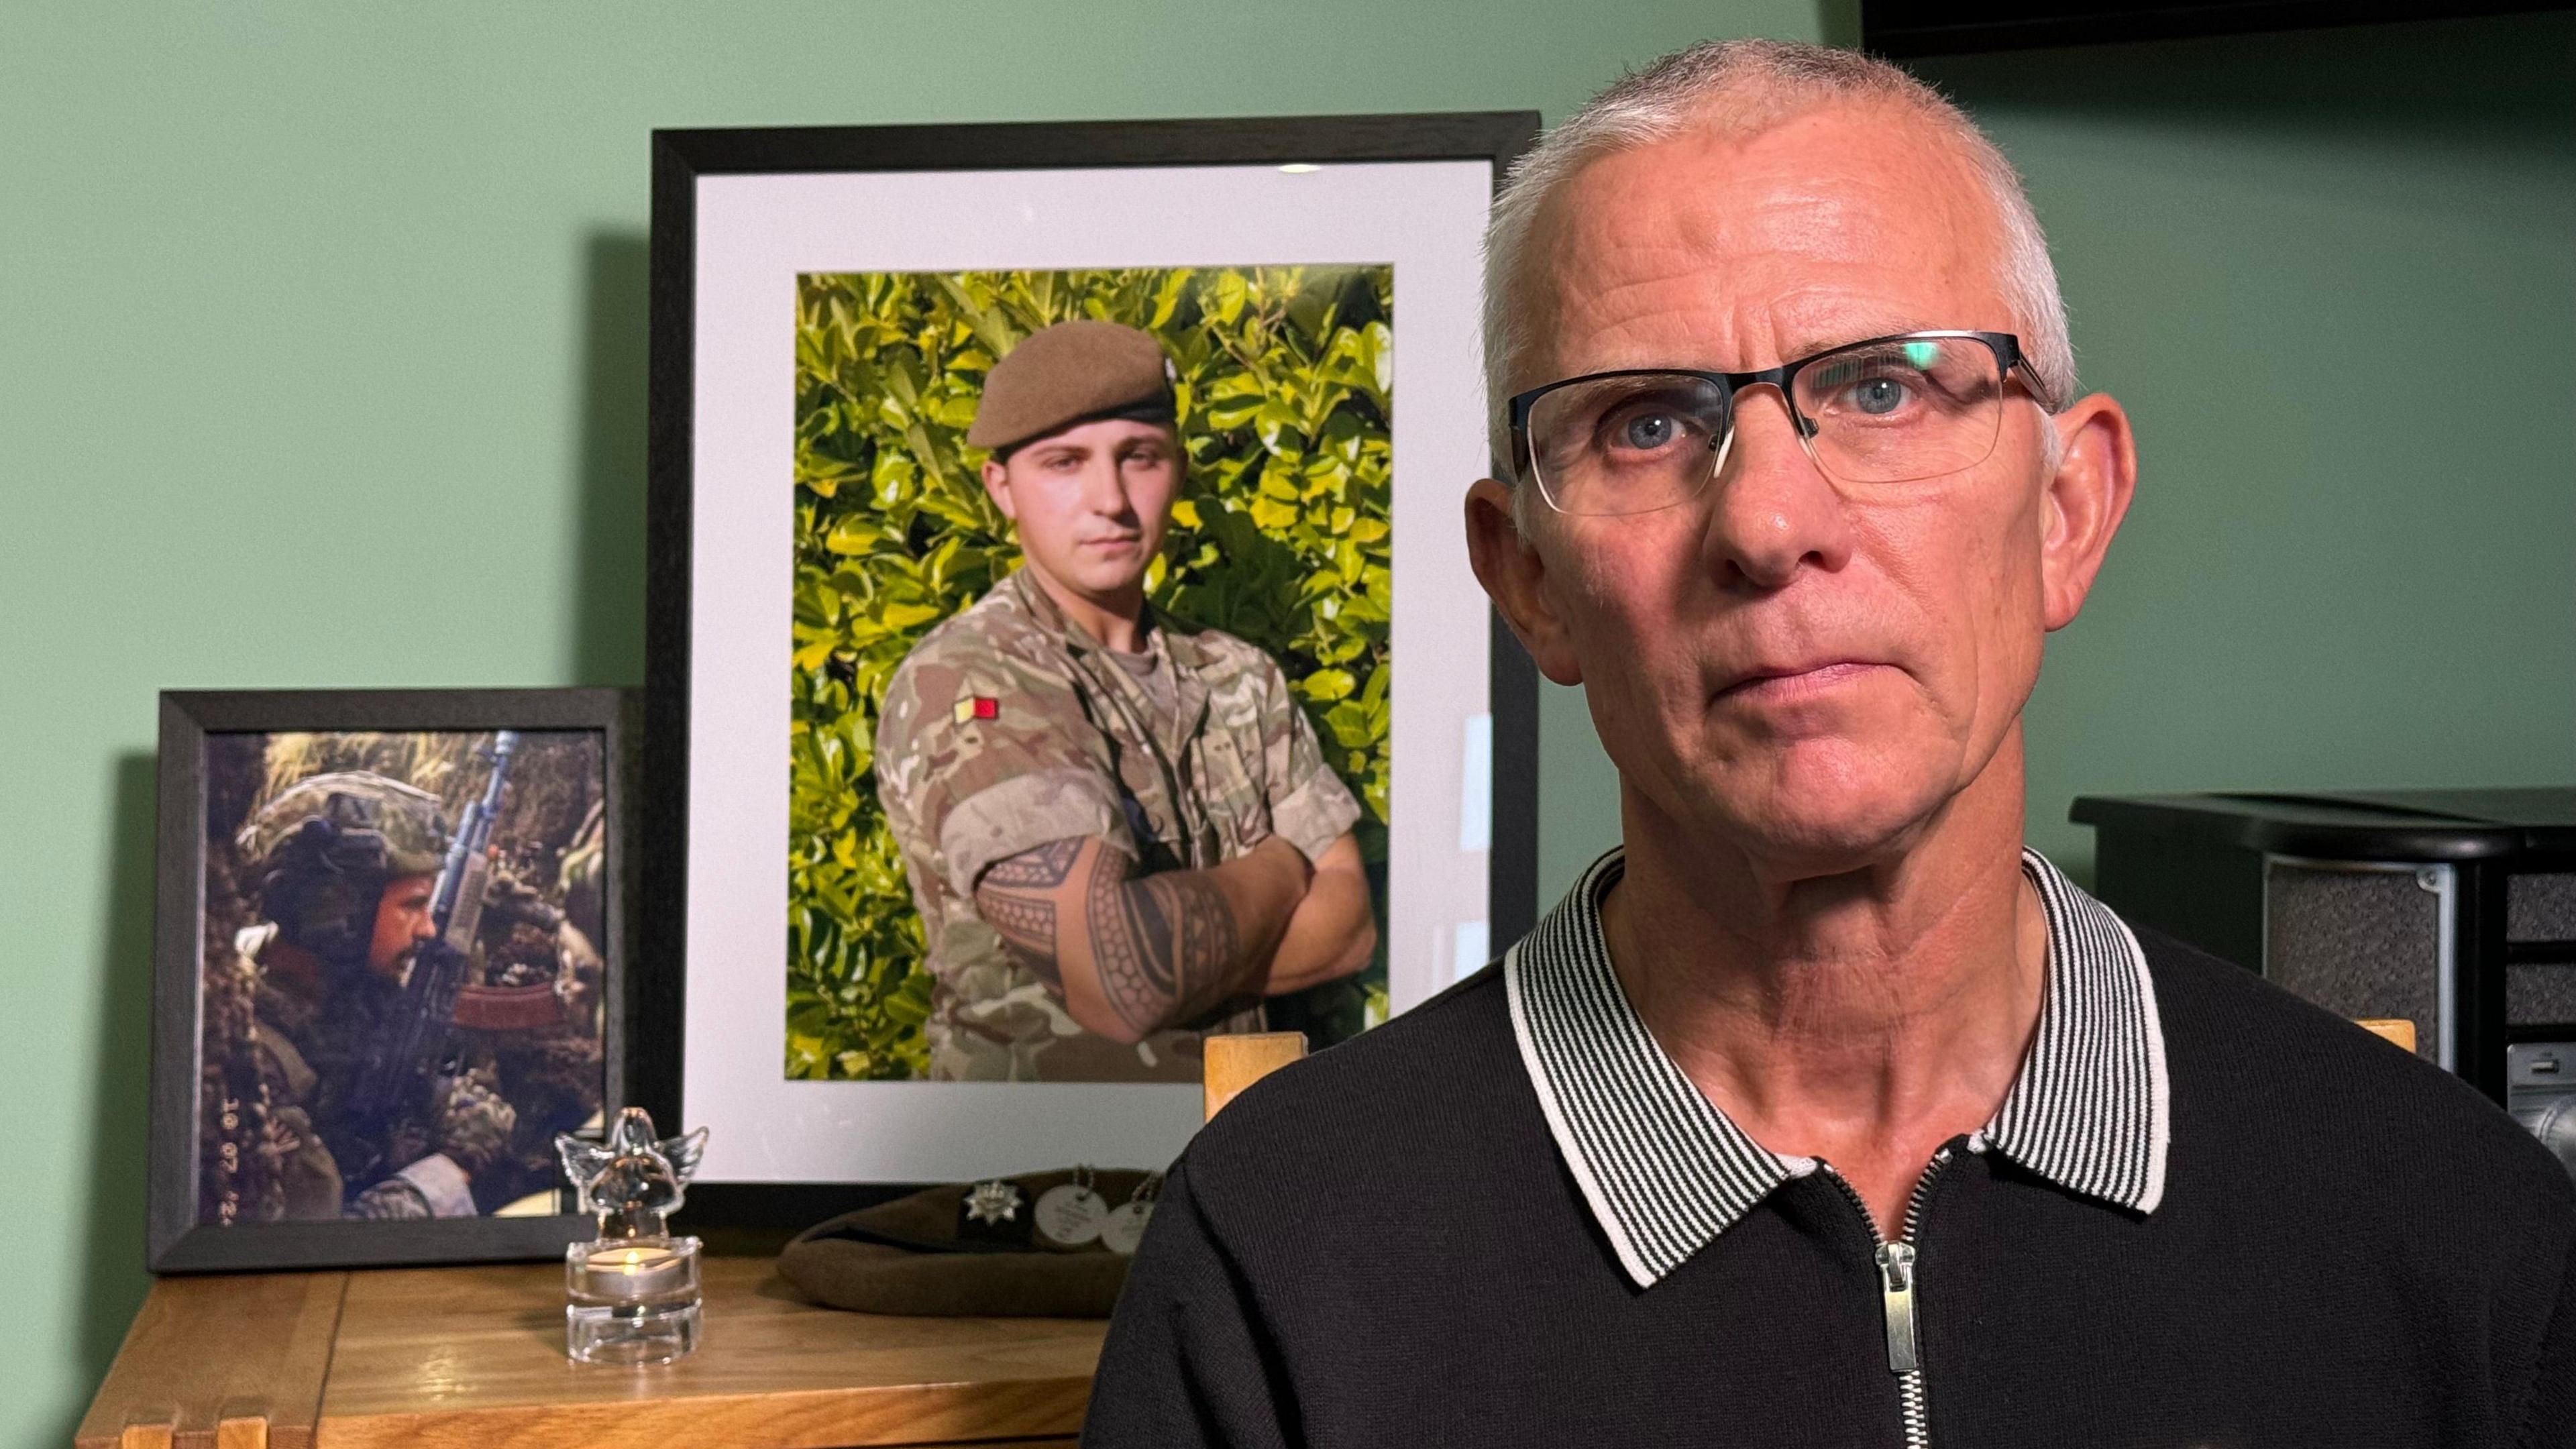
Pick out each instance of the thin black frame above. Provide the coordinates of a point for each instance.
(176, 1242)
(679, 159)
(2005, 346)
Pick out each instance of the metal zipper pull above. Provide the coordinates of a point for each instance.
(1896, 1273)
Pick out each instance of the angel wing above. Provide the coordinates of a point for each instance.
(583, 1162)
(684, 1153)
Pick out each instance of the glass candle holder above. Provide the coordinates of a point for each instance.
(631, 1300)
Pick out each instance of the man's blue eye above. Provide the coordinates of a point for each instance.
(1647, 431)
(1878, 396)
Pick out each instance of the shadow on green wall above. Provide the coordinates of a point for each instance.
(608, 551)
(1838, 23)
(110, 1251)
(606, 645)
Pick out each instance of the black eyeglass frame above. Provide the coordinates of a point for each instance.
(2006, 347)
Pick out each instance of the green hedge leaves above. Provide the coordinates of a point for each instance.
(1281, 538)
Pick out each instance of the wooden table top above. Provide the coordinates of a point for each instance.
(422, 1348)
(427, 1358)
(473, 1358)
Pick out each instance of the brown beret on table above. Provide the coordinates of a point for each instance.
(946, 1252)
(1072, 372)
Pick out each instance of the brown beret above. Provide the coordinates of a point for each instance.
(927, 1254)
(1070, 373)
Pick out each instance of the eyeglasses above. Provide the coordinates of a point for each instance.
(1888, 410)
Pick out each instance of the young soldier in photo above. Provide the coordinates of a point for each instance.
(346, 865)
(1120, 831)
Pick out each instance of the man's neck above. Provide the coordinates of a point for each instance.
(1116, 620)
(1864, 1017)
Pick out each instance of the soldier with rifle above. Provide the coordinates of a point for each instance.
(372, 907)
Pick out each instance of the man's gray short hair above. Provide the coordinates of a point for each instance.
(1742, 87)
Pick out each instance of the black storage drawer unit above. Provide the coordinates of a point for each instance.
(2453, 909)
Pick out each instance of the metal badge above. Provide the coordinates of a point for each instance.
(994, 1202)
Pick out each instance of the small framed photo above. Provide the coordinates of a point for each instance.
(390, 961)
(899, 654)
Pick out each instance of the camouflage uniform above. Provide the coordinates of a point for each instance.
(325, 847)
(1009, 727)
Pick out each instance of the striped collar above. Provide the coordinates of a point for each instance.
(1666, 1172)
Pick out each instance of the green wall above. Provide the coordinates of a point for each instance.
(321, 364)
(2332, 275)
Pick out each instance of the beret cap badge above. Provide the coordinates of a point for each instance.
(997, 1201)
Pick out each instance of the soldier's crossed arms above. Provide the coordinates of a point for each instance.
(1132, 954)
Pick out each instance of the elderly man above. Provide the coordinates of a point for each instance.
(1821, 1112)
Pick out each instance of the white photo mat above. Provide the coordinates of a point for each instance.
(754, 235)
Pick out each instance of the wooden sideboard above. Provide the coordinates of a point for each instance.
(472, 1358)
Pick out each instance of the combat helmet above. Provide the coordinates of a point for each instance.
(324, 848)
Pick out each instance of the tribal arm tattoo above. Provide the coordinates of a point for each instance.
(1128, 954)
(1014, 897)
(1165, 946)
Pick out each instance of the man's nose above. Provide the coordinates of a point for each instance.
(422, 927)
(1773, 512)
(1104, 486)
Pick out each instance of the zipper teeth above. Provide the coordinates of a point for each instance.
(1918, 1422)
(1913, 1205)
(1917, 1416)
(1922, 1188)
(1909, 1385)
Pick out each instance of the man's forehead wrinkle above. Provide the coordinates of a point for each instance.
(1821, 229)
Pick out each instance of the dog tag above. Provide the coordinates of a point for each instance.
(1071, 1214)
(1124, 1228)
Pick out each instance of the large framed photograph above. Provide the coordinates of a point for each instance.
(390, 968)
(1062, 640)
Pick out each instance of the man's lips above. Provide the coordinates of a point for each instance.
(1792, 681)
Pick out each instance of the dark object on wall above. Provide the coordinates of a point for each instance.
(1907, 28)
(389, 965)
(2453, 909)
(762, 237)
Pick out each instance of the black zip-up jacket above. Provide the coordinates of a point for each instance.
(1385, 1246)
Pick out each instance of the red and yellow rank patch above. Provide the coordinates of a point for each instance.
(977, 706)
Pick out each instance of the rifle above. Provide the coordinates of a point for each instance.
(414, 1050)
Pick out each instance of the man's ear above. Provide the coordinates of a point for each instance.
(2097, 472)
(997, 485)
(1515, 575)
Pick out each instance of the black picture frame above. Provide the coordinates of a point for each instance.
(176, 1242)
(680, 159)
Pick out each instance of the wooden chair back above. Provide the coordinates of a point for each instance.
(1236, 1061)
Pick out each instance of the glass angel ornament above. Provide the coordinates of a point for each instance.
(631, 1294)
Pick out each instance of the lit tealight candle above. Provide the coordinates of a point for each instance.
(616, 1273)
